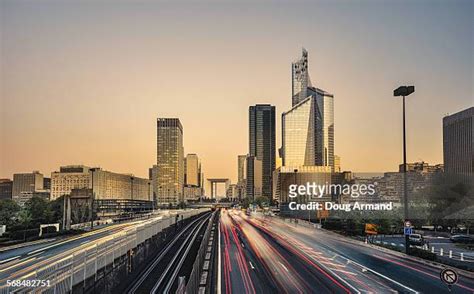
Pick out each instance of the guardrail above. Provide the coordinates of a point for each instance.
(203, 256)
(83, 264)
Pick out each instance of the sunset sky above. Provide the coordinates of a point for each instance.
(83, 82)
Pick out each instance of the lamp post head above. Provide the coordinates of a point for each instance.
(403, 91)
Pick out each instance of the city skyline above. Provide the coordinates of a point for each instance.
(82, 92)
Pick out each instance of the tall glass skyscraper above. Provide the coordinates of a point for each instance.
(308, 128)
(300, 79)
(262, 145)
(170, 161)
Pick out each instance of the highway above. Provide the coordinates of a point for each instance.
(17, 263)
(268, 254)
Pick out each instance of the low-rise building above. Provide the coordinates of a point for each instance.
(113, 193)
(26, 196)
(192, 193)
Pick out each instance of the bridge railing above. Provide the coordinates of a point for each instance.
(76, 267)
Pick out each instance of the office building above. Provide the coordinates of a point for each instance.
(262, 143)
(192, 193)
(241, 176)
(25, 196)
(337, 164)
(46, 183)
(170, 161)
(420, 176)
(193, 170)
(153, 177)
(6, 187)
(308, 127)
(108, 185)
(301, 175)
(26, 183)
(458, 143)
(68, 178)
(193, 178)
(232, 192)
(254, 181)
(300, 79)
(422, 167)
(108, 188)
(241, 168)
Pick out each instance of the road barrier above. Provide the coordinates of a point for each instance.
(199, 265)
(450, 254)
(78, 267)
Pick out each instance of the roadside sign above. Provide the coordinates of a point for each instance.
(407, 231)
(449, 276)
(370, 229)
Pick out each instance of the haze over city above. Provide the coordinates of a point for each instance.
(84, 82)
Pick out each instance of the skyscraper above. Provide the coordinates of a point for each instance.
(170, 161)
(300, 79)
(262, 143)
(241, 176)
(193, 170)
(458, 142)
(308, 127)
(193, 189)
(254, 187)
(241, 168)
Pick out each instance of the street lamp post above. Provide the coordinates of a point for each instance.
(295, 171)
(92, 200)
(404, 91)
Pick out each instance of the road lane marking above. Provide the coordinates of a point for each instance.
(251, 265)
(17, 264)
(345, 272)
(381, 275)
(284, 267)
(9, 259)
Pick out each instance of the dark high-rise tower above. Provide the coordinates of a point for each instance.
(262, 144)
(458, 142)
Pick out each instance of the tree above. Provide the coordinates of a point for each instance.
(8, 211)
(246, 202)
(24, 218)
(56, 207)
(262, 201)
(40, 210)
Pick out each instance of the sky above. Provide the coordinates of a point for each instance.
(82, 82)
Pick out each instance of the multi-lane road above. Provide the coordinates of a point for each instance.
(16, 264)
(259, 254)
